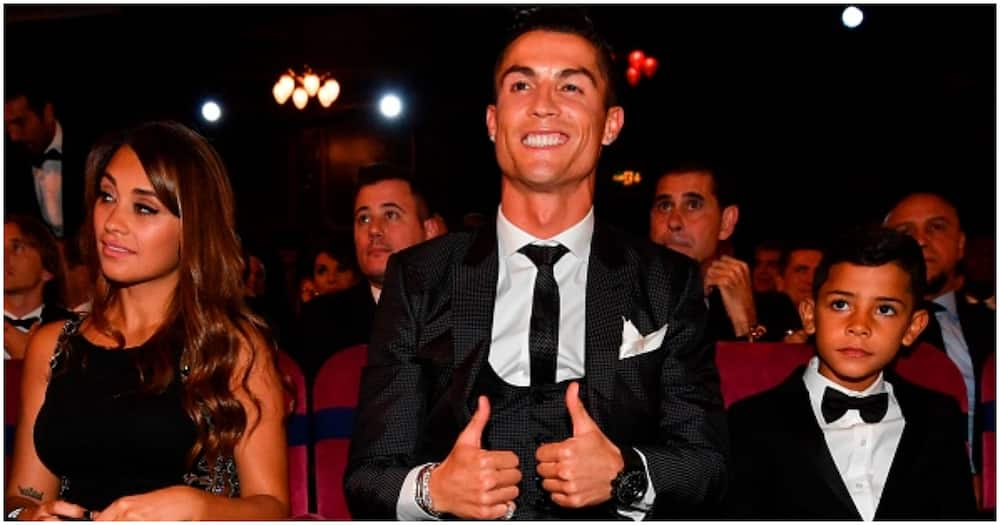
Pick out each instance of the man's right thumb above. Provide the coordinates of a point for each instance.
(473, 433)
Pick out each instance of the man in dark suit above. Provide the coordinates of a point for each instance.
(965, 332)
(44, 171)
(694, 209)
(390, 213)
(546, 366)
(844, 438)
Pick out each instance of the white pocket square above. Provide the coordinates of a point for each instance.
(634, 343)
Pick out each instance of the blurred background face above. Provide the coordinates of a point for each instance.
(766, 268)
(686, 216)
(307, 290)
(330, 275)
(22, 262)
(386, 220)
(256, 278)
(934, 224)
(797, 280)
(26, 128)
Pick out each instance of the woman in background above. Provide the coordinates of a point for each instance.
(164, 403)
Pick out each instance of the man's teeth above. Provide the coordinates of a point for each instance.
(543, 141)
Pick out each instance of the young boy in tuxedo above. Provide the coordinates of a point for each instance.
(843, 437)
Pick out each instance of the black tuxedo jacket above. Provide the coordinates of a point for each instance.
(19, 183)
(782, 468)
(431, 339)
(331, 323)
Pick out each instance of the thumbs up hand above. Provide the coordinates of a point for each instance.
(473, 483)
(578, 472)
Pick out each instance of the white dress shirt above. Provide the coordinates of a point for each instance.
(957, 350)
(48, 185)
(863, 452)
(509, 355)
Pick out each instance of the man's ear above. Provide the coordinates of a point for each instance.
(613, 124)
(918, 321)
(48, 114)
(433, 228)
(491, 121)
(730, 216)
(961, 245)
(807, 311)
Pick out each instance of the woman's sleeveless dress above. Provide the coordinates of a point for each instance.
(105, 438)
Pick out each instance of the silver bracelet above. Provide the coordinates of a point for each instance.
(14, 513)
(424, 500)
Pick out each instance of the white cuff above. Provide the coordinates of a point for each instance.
(406, 507)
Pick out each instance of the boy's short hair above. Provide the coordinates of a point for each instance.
(875, 246)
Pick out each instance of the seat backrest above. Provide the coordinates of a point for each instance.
(11, 406)
(297, 428)
(746, 368)
(932, 369)
(988, 413)
(335, 396)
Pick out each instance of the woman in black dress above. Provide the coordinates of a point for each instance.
(164, 403)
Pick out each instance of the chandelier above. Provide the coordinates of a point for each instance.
(300, 88)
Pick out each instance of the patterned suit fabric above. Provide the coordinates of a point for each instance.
(431, 338)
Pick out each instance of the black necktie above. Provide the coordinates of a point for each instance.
(25, 323)
(543, 340)
(50, 154)
(836, 403)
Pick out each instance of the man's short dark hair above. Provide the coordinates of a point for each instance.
(36, 94)
(374, 173)
(794, 245)
(875, 246)
(723, 186)
(570, 20)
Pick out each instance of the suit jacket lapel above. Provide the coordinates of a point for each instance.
(810, 445)
(473, 300)
(606, 303)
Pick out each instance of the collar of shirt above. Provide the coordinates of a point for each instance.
(816, 384)
(576, 238)
(37, 312)
(57, 139)
(376, 293)
(949, 303)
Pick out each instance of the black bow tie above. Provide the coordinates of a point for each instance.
(50, 154)
(836, 403)
(25, 323)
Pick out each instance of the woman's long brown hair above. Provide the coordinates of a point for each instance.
(207, 321)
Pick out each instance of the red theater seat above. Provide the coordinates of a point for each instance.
(932, 369)
(988, 413)
(746, 368)
(335, 396)
(298, 437)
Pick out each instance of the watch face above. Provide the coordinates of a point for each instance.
(631, 487)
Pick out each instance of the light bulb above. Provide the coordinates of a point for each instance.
(280, 93)
(329, 92)
(300, 98)
(311, 83)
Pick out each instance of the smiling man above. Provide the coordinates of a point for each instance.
(545, 366)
